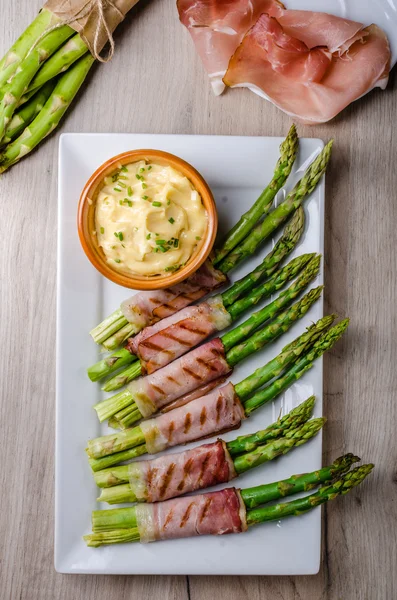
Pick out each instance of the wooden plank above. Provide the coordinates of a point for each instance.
(156, 84)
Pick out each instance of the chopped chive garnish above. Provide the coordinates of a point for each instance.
(117, 189)
(144, 186)
(124, 169)
(102, 230)
(172, 268)
(162, 249)
(137, 176)
(117, 260)
(171, 220)
(156, 204)
(129, 190)
(121, 237)
(198, 238)
(120, 202)
(142, 169)
(115, 176)
(145, 197)
(161, 242)
(149, 167)
(126, 201)
(122, 185)
(176, 243)
(156, 234)
(148, 236)
(168, 202)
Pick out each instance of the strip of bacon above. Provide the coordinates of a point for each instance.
(218, 411)
(146, 308)
(312, 85)
(214, 513)
(172, 475)
(218, 26)
(203, 390)
(196, 324)
(187, 373)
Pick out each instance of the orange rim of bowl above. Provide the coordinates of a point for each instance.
(86, 220)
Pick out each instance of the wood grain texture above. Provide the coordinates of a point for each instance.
(156, 84)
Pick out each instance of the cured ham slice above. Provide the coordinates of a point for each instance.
(218, 411)
(146, 308)
(311, 84)
(218, 26)
(200, 366)
(172, 475)
(197, 393)
(309, 64)
(214, 513)
(194, 325)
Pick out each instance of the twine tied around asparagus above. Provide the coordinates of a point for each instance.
(100, 6)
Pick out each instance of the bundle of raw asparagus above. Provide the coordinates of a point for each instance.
(43, 71)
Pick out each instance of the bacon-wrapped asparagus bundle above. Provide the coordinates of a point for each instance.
(221, 410)
(159, 344)
(214, 359)
(172, 475)
(226, 511)
(147, 307)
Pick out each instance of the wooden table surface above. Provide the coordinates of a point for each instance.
(157, 84)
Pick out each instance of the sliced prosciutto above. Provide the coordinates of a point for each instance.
(218, 411)
(172, 475)
(146, 308)
(214, 513)
(193, 326)
(218, 26)
(187, 373)
(310, 83)
(203, 390)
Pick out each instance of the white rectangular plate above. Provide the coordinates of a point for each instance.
(236, 168)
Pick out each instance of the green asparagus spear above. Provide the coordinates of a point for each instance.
(239, 333)
(303, 188)
(288, 355)
(13, 58)
(298, 369)
(288, 150)
(120, 525)
(59, 62)
(49, 117)
(110, 364)
(120, 336)
(290, 421)
(269, 492)
(285, 245)
(118, 442)
(25, 115)
(123, 357)
(111, 406)
(242, 444)
(279, 325)
(115, 494)
(277, 281)
(341, 486)
(243, 330)
(27, 69)
(108, 327)
(97, 464)
(107, 520)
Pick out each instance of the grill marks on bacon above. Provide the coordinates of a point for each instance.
(146, 308)
(311, 83)
(218, 411)
(214, 513)
(164, 342)
(197, 368)
(171, 475)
